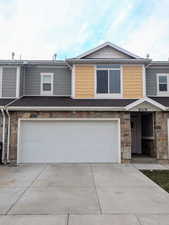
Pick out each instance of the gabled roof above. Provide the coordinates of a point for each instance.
(113, 46)
(162, 100)
(148, 100)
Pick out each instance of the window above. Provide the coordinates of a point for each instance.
(108, 82)
(46, 83)
(162, 84)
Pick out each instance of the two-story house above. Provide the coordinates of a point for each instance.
(106, 105)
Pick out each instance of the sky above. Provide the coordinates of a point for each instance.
(37, 29)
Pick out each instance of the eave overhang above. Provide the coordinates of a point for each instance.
(108, 61)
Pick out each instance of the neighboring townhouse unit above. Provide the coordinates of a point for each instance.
(106, 105)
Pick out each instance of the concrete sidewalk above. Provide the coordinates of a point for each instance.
(77, 194)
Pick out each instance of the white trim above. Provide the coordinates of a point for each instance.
(8, 97)
(1, 78)
(158, 67)
(44, 96)
(12, 66)
(84, 65)
(95, 81)
(144, 80)
(162, 93)
(3, 136)
(70, 119)
(51, 66)
(46, 93)
(146, 99)
(15, 108)
(67, 119)
(17, 81)
(110, 45)
(9, 132)
(108, 95)
(109, 68)
(73, 82)
(132, 64)
(121, 82)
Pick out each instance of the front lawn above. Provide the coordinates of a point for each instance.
(161, 177)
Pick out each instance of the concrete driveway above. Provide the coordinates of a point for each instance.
(80, 194)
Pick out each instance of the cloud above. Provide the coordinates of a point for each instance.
(152, 36)
(38, 29)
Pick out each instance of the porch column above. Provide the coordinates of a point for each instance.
(125, 137)
(161, 135)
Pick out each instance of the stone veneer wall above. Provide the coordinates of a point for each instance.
(1, 126)
(161, 135)
(124, 118)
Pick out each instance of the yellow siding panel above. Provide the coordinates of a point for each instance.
(84, 81)
(132, 82)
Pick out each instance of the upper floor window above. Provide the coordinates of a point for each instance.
(46, 83)
(162, 84)
(108, 82)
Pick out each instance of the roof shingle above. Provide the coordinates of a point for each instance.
(53, 101)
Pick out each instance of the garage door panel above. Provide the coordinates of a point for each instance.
(69, 141)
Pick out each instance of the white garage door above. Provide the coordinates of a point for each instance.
(69, 141)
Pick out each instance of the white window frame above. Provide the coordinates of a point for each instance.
(18, 78)
(162, 93)
(46, 93)
(108, 95)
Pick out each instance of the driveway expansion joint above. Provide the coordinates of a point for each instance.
(95, 187)
(26, 189)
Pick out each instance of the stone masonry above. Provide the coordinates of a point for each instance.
(161, 135)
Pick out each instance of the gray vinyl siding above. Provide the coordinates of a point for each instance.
(151, 80)
(9, 82)
(61, 82)
(21, 81)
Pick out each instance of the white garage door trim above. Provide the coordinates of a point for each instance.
(67, 119)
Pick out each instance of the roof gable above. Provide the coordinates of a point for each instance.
(108, 50)
(145, 104)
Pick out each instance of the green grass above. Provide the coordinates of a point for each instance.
(161, 177)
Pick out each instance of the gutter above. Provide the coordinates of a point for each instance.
(67, 108)
(148, 65)
(3, 136)
(69, 66)
(9, 126)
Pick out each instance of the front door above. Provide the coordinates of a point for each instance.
(136, 133)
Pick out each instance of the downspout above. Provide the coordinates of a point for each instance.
(3, 137)
(147, 65)
(69, 66)
(9, 128)
(8, 141)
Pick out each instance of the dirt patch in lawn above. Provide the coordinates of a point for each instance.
(161, 177)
